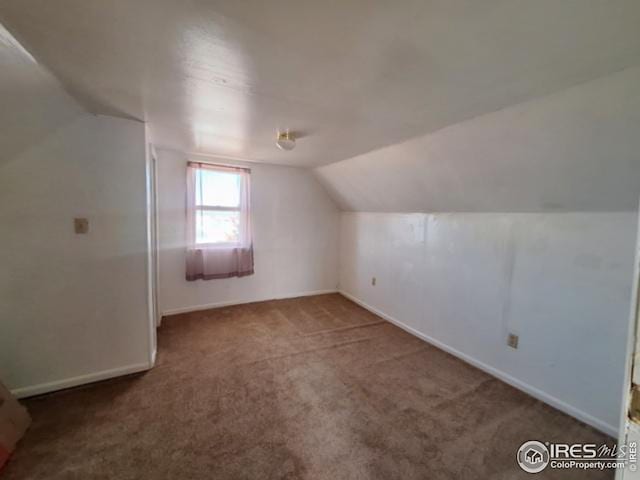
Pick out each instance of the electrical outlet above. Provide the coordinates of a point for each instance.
(373, 281)
(512, 340)
(81, 225)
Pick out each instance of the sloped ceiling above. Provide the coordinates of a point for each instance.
(32, 102)
(220, 77)
(575, 150)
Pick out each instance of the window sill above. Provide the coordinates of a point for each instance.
(218, 246)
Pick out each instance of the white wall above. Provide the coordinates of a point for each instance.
(73, 308)
(561, 281)
(295, 235)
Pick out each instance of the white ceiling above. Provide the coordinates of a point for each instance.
(575, 150)
(32, 103)
(220, 77)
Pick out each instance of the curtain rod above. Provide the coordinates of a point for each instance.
(224, 165)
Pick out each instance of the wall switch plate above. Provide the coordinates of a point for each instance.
(81, 225)
(512, 340)
(373, 281)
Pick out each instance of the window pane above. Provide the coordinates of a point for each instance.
(217, 227)
(220, 189)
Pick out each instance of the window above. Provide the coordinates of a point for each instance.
(219, 241)
(217, 207)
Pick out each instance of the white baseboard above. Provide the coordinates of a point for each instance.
(39, 389)
(514, 382)
(209, 306)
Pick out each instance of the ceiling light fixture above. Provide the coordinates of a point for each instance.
(285, 140)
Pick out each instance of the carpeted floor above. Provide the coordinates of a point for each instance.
(313, 388)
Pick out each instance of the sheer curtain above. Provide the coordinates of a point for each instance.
(219, 243)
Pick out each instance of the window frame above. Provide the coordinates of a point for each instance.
(217, 208)
(195, 193)
(208, 208)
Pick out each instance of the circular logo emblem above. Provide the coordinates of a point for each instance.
(533, 456)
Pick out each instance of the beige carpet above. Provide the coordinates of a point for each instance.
(313, 388)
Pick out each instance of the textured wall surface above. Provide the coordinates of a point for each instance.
(562, 282)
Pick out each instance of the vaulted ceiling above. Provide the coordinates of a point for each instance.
(574, 150)
(221, 77)
(32, 102)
